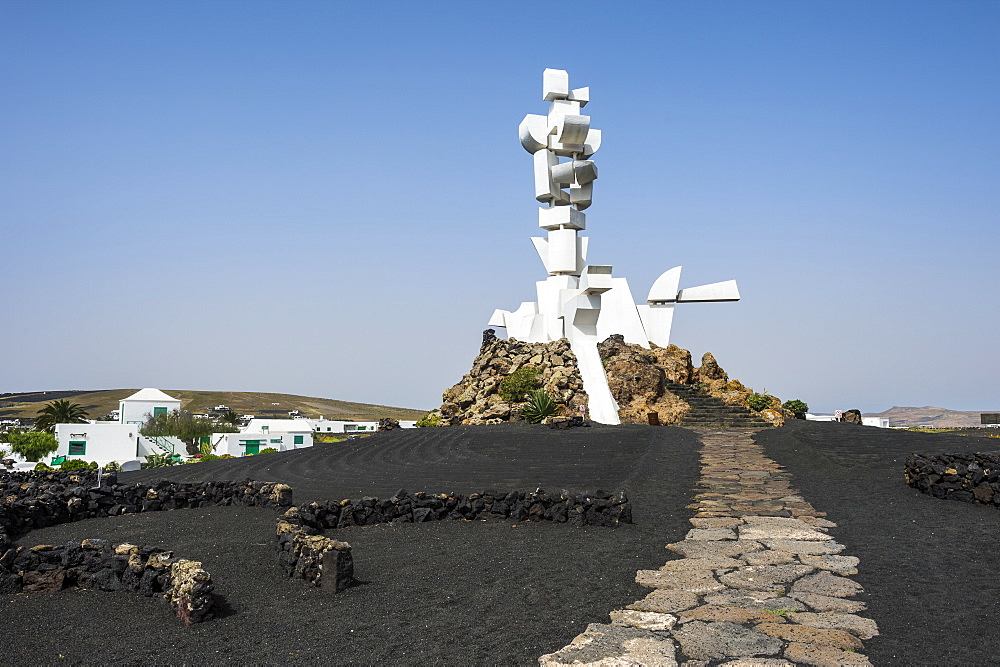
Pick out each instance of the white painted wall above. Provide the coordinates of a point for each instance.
(314, 425)
(137, 410)
(104, 442)
(236, 444)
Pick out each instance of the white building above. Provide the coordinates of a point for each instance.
(821, 418)
(119, 441)
(313, 425)
(102, 442)
(145, 403)
(249, 443)
(877, 422)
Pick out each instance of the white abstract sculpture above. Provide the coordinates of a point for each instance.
(582, 303)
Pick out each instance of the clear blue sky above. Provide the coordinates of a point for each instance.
(329, 198)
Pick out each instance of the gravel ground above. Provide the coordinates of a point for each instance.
(436, 593)
(929, 566)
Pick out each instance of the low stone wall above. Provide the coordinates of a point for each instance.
(38, 499)
(31, 500)
(970, 478)
(305, 554)
(328, 563)
(98, 564)
(600, 508)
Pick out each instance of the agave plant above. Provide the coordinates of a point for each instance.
(539, 406)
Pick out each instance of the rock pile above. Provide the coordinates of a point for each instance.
(969, 478)
(853, 417)
(96, 563)
(476, 398)
(637, 376)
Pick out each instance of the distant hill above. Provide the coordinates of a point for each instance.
(260, 404)
(930, 416)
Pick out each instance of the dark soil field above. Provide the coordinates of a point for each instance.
(929, 567)
(448, 593)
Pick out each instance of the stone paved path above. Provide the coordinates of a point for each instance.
(760, 582)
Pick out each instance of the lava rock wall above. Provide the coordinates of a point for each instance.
(38, 499)
(95, 563)
(970, 478)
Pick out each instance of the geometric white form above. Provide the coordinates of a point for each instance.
(546, 190)
(582, 197)
(555, 217)
(665, 289)
(592, 144)
(658, 318)
(555, 84)
(619, 315)
(573, 129)
(499, 319)
(562, 251)
(581, 95)
(595, 279)
(724, 291)
(584, 304)
(533, 132)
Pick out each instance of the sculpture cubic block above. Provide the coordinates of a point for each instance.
(585, 304)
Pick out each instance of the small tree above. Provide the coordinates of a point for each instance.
(432, 418)
(515, 387)
(33, 445)
(184, 426)
(59, 412)
(760, 402)
(797, 408)
(229, 417)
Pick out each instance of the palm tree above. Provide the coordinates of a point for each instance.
(230, 417)
(59, 412)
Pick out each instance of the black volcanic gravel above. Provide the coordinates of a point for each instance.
(436, 593)
(930, 567)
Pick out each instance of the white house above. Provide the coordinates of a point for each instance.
(248, 442)
(314, 425)
(119, 441)
(102, 442)
(145, 403)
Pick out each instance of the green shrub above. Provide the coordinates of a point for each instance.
(160, 460)
(4, 453)
(432, 418)
(33, 445)
(77, 464)
(268, 450)
(539, 406)
(112, 466)
(796, 407)
(39, 467)
(515, 387)
(759, 402)
(209, 457)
